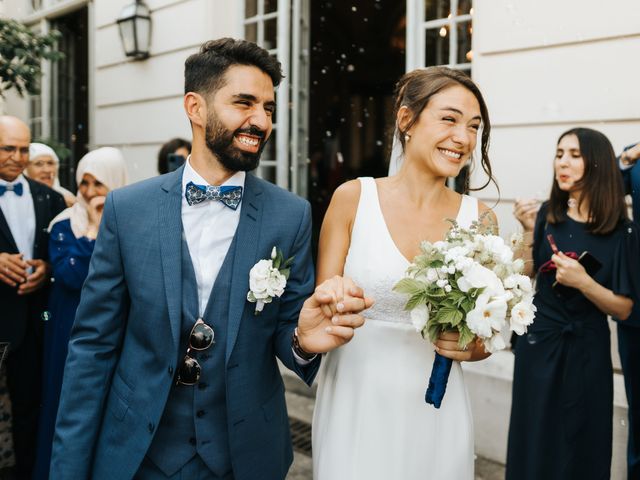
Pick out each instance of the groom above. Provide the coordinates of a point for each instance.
(170, 373)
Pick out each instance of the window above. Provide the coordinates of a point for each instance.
(261, 27)
(447, 33)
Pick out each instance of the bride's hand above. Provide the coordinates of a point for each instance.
(319, 328)
(447, 346)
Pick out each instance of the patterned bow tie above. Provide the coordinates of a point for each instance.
(229, 195)
(15, 188)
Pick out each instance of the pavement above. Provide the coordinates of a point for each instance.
(300, 402)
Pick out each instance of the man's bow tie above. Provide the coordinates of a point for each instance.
(229, 195)
(15, 188)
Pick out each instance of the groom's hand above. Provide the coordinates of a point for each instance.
(329, 317)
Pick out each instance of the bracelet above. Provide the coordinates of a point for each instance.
(295, 344)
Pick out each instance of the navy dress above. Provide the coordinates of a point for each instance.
(69, 257)
(562, 407)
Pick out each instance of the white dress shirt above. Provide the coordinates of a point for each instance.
(209, 228)
(20, 215)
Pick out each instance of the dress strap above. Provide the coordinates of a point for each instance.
(366, 217)
(468, 211)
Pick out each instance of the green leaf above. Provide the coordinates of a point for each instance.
(433, 330)
(415, 300)
(466, 335)
(286, 272)
(289, 262)
(409, 286)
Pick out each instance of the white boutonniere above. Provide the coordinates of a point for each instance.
(268, 279)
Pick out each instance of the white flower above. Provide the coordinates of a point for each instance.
(478, 276)
(266, 282)
(447, 288)
(518, 282)
(497, 248)
(495, 343)
(442, 282)
(463, 264)
(522, 315)
(488, 316)
(276, 284)
(455, 253)
(258, 278)
(518, 265)
(432, 275)
(420, 317)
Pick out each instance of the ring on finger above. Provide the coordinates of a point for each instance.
(465, 348)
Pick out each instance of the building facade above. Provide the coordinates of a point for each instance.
(543, 67)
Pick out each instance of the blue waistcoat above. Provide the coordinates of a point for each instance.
(194, 421)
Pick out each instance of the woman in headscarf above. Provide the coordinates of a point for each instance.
(72, 236)
(43, 167)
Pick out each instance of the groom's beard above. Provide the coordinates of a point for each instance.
(220, 142)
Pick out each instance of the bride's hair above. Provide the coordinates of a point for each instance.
(415, 89)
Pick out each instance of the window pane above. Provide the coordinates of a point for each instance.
(269, 152)
(268, 173)
(434, 9)
(250, 8)
(270, 6)
(465, 55)
(464, 7)
(270, 34)
(251, 32)
(437, 46)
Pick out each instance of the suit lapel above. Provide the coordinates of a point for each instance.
(246, 247)
(40, 208)
(170, 233)
(6, 233)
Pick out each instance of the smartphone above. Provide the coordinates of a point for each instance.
(174, 161)
(591, 265)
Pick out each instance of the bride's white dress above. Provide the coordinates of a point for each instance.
(371, 421)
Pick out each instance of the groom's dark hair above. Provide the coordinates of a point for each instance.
(204, 71)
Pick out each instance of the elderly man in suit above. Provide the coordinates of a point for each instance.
(629, 330)
(26, 208)
(172, 371)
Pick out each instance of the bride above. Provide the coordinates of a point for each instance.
(371, 421)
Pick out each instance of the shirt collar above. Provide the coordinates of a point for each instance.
(190, 175)
(20, 179)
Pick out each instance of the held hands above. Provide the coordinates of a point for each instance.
(329, 317)
(13, 269)
(525, 212)
(570, 272)
(14, 272)
(36, 279)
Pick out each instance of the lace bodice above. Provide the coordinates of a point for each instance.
(375, 263)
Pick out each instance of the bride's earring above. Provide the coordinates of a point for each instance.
(407, 137)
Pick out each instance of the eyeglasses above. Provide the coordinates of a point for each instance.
(200, 338)
(43, 163)
(11, 149)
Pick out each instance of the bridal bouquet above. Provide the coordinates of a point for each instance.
(469, 283)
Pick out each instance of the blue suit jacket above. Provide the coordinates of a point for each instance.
(124, 347)
(631, 178)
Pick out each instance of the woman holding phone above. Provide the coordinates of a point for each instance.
(72, 236)
(584, 254)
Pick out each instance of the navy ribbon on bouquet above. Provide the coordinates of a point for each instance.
(438, 380)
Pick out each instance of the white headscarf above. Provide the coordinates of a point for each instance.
(107, 165)
(41, 150)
